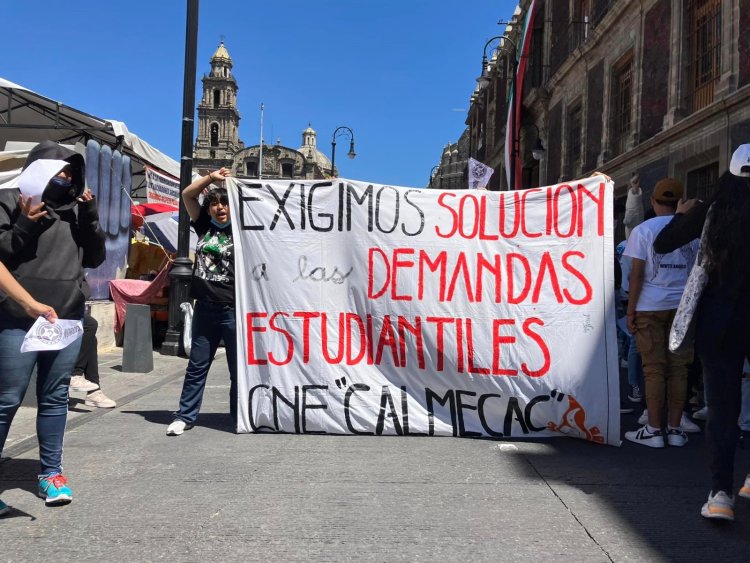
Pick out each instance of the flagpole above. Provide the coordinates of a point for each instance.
(260, 154)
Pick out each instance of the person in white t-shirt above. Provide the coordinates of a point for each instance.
(656, 285)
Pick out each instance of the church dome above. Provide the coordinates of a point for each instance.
(221, 54)
(314, 155)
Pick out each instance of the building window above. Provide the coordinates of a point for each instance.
(704, 37)
(212, 154)
(702, 182)
(621, 102)
(574, 139)
(286, 170)
(599, 10)
(217, 98)
(214, 134)
(503, 87)
(252, 169)
(579, 25)
(536, 54)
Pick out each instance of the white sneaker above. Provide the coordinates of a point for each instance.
(178, 427)
(687, 425)
(80, 383)
(719, 506)
(676, 437)
(643, 419)
(100, 400)
(701, 414)
(745, 489)
(644, 437)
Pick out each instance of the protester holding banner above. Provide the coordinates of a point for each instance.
(722, 331)
(46, 243)
(213, 291)
(656, 285)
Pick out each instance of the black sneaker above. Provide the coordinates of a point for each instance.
(636, 396)
(626, 409)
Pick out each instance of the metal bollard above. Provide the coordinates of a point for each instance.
(137, 347)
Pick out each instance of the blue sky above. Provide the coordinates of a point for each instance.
(399, 73)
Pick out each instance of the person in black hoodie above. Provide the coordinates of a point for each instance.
(46, 247)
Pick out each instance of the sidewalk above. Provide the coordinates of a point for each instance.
(118, 385)
(211, 495)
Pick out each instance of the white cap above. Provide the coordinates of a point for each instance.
(740, 164)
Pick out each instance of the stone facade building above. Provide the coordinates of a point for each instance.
(658, 87)
(450, 174)
(218, 143)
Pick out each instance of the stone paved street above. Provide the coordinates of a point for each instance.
(211, 495)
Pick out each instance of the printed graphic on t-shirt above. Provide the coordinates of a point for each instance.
(687, 253)
(664, 275)
(214, 257)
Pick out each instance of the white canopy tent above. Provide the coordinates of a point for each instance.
(27, 118)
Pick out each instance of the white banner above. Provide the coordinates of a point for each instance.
(161, 188)
(371, 309)
(479, 175)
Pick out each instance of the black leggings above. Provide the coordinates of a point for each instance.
(88, 360)
(723, 342)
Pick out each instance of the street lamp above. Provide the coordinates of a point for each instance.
(182, 270)
(342, 130)
(538, 151)
(483, 81)
(484, 78)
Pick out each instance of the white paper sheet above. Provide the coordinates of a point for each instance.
(35, 178)
(44, 335)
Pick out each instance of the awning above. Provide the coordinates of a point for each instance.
(27, 117)
(162, 229)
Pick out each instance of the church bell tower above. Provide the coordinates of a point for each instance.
(218, 118)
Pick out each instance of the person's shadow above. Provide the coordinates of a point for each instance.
(221, 422)
(19, 474)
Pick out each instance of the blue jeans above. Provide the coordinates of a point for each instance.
(627, 348)
(211, 323)
(635, 366)
(52, 380)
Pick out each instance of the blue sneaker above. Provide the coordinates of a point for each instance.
(53, 488)
(4, 508)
